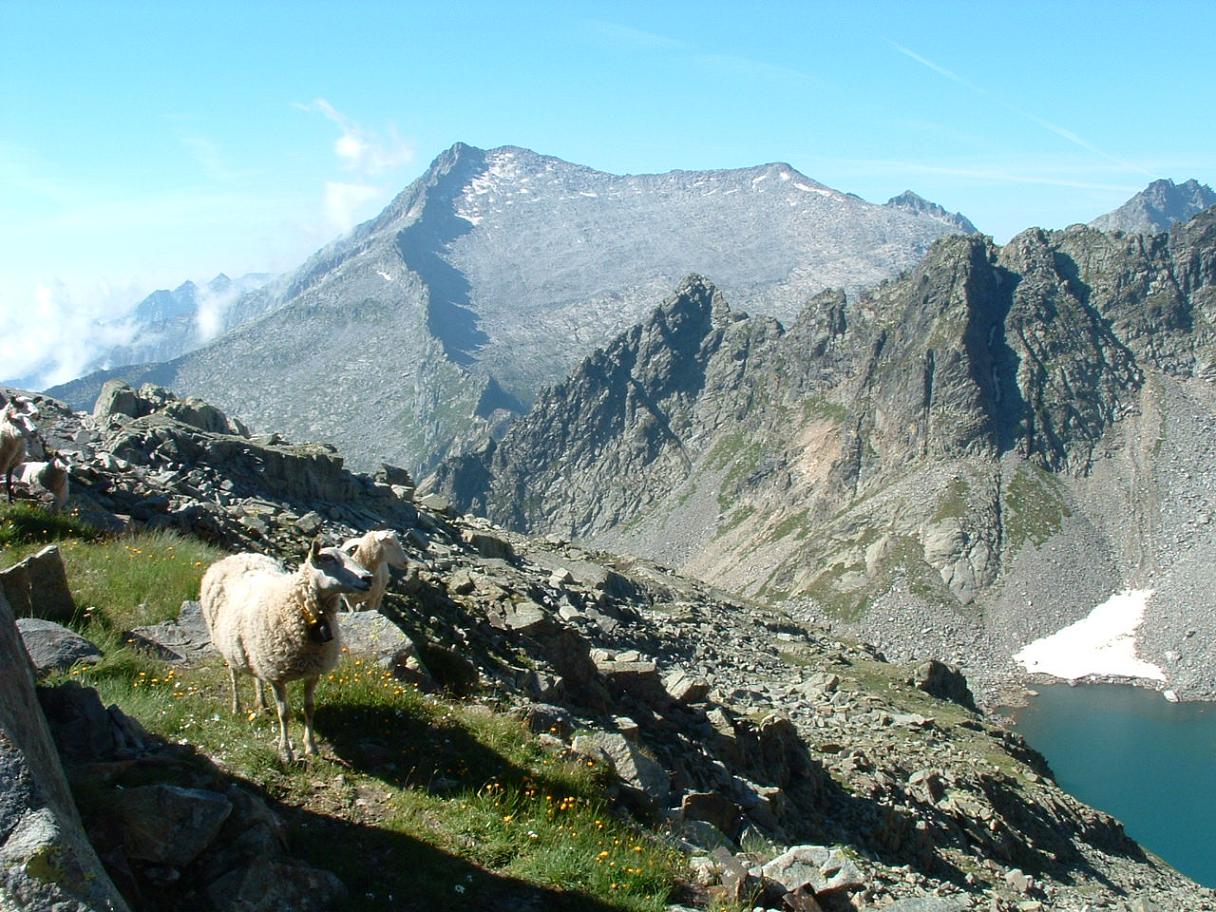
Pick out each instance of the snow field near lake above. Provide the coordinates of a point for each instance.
(1103, 643)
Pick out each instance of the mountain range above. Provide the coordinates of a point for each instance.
(956, 463)
(490, 276)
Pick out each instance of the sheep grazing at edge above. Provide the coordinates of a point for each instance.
(16, 427)
(280, 626)
(50, 476)
(375, 552)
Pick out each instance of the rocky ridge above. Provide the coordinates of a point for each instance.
(494, 273)
(1157, 207)
(964, 459)
(852, 783)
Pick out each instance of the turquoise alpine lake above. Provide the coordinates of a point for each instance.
(1128, 751)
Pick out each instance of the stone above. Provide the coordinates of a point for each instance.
(818, 867)
(168, 824)
(116, 398)
(436, 503)
(714, 808)
(371, 636)
(684, 688)
(637, 770)
(930, 904)
(487, 545)
(38, 587)
(46, 860)
(183, 641)
(545, 718)
(52, 647)
(639, 679)
(84, 730)
(944, 681)
(276, 886)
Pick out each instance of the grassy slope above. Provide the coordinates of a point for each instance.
(415, 802)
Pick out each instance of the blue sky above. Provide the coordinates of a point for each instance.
(142, 144)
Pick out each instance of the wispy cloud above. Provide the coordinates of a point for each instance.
(362, 150)
(751, 67)
(53, 332)
(211, 159)
(626, 37)
(1064, 133)
(366, 155)
(937, 68)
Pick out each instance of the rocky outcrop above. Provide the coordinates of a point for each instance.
(46, 861)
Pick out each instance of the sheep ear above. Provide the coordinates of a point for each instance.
(314, 549)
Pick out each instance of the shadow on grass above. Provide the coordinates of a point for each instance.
(382, 867)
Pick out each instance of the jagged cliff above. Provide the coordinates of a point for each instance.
(977, 446)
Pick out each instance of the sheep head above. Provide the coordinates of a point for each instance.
(392, 549)
(334, 572)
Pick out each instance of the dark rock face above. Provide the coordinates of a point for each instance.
(46, 861)
(1157, 207)
(492, 275)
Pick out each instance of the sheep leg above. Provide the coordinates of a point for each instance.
(310, 742)
(236, 699)
(8, 484)
(260, 693)
(280, 701)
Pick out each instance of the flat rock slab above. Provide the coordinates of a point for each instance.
(52, 647)
(182, 642)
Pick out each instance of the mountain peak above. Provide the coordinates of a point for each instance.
(910, 201)
(1158, 206)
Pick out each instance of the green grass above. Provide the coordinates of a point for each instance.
(416, 802)
(1035, 507)
(26, 527)
(953, 504)
(818, 407)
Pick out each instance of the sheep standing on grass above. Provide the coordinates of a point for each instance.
(280, 626)
(16, 428)
(50, 476)
(375, 552)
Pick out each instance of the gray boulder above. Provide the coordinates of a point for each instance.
(181, 641)
(38, 587)
(813, 867)
(944, 681)
(639, 772)
(46, 861)
(52, 647)
(167, 824)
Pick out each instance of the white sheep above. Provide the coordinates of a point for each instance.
(280, 626)
(51, 476)
(16, 428)
(375, 552)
